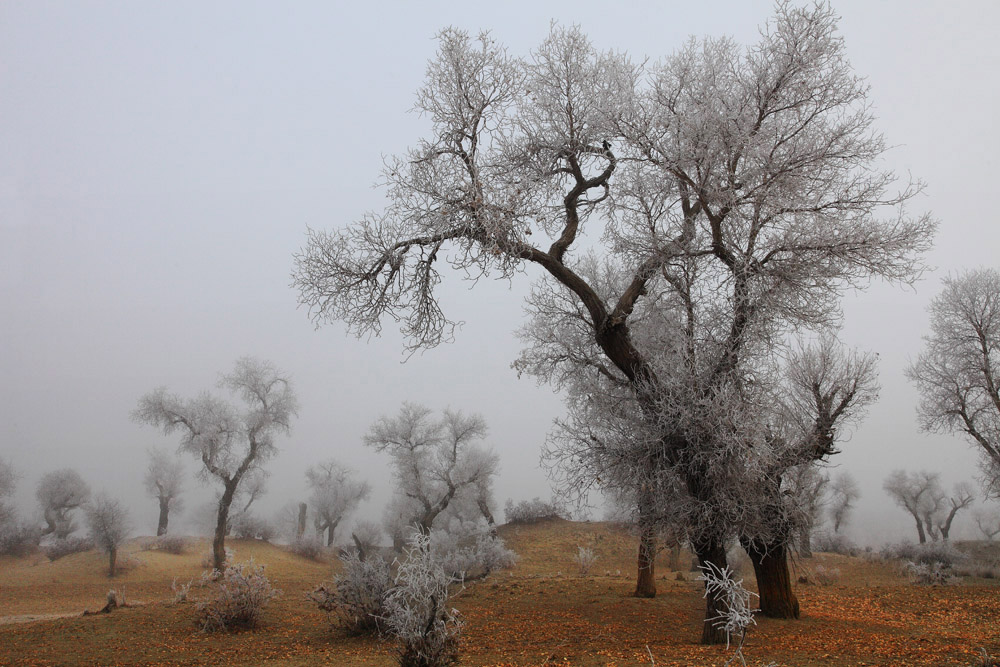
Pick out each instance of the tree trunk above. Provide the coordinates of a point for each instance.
(300, 529)
(161, 526)
(674, 564)
(805, 547)
(112, 561)
(484, 508)
(712, 550)
(329, 536)
(774, 583)
(222, 527)
(645, 583)
(920, 531)
(362, 553)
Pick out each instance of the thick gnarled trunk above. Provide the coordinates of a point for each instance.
(774, 582)
(645, 583)
(712, 549)
(161, 526)
(221, 527)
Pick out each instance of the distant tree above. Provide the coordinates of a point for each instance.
(367, 536)
(806, 484)
(843, 494)
(741, 186)
(230, 443)
(109, 525)
(335, 495)
(433, 459)
(958, 372)
(163, 481)
(8, 479)
(916, 494)
(59, 493)
(988, 524)
(940, 511)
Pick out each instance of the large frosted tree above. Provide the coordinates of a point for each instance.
(231, 443)
(741, 184)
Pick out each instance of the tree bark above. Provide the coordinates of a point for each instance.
(161, 526)
(712, 550)
(805, 546)
(222, 527)
(484, 508)
(774, 583)
(300, 529)
(329, 536)
(112, 561)
(645, 583)
(920, 531)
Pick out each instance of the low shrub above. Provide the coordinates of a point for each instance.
(471, 551)
(356, 599)
(928, 574)
(208, 558)
(930, 553)
(180, 590)
(67, 546)
(834, 544)
(240, 596)
(250, 527)
(308, 547)
(584, 559)
(530, 511)
(825, 576)
(418, 617)
(171, 544)
(18, 539)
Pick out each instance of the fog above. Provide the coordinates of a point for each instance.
(161, 163)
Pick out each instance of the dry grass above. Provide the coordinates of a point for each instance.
(539, 613)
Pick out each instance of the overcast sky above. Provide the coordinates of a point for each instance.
(160, 162)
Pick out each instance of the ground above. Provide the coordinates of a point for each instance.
(542, 612)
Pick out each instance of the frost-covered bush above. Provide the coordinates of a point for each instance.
(929, 574)
(356, 598)
(180, 590)
(308, 547)
(18, 539)
(240, 595)
(927, 554)
(834, 544)
(418, 615)
(737, 616)
(171, 544)
(584, 559)
(67, 546)
(247, 526)
(469, 550)
(529, 511)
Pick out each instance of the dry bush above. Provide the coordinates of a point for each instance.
(584, 559)
(530, 511)
(469, 550)
(834, 544)
(825, 576)
(240, 595)
(356, 599)
(977, 568)
(928, 554)
(180, 590)
(250, 527)
(208, 559)
(18, 539)
(418, 615)
(67, 546)
(928, 574)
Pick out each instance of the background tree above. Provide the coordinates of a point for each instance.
(8, 479)
(915, 493)
(761, 165)
(844, 493)
(109, 525)
(230, 443)
(59, 493)
(163, 480)
(956, 374)
(941, 510)
(433, 459)
(988, 524)
(806, 485)
(335, 495)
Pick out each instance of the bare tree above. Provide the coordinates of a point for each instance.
(8, 479)
(941, 514)
(739, 186)
(844, 493)
(959, 388)
(916, 494)
(988, 524)
(230, 443)
(109, 525)
(335, 495)
(433, 459)
(59, 493)
(163, 480)
(805, 485)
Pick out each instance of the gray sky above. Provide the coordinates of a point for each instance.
(159, 164)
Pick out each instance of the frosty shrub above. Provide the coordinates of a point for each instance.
(171, 544)
(249, 527)
(927, 554)
(825, 576)
(584, 559)
(418, 616)
(529, 511)
(834, 544)
(308, 547)
(737, 616)
(928, 574)
(18, 539)
(468, 550)
(180, 590)
(240, 595)
(207, 559)
(67, 546)
(356, 599)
